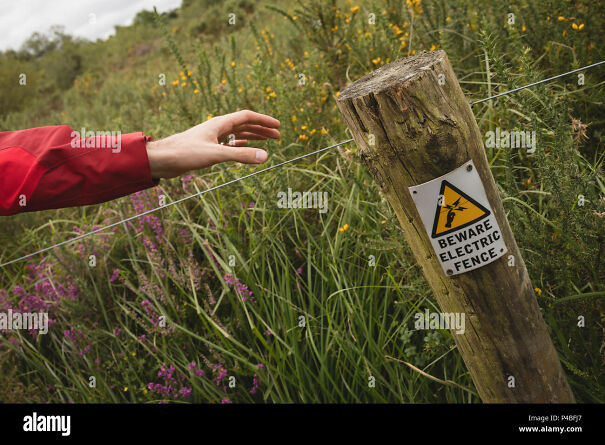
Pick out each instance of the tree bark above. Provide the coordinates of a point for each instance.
(422, 127)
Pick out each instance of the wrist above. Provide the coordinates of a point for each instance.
(160, 159)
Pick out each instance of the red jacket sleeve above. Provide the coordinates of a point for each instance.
(53, 167)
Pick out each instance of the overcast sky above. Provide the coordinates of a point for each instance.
(20, 18)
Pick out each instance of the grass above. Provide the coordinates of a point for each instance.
(324, 324)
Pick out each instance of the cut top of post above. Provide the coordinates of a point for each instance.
(391, 74)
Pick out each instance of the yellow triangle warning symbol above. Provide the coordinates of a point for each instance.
(457, 210)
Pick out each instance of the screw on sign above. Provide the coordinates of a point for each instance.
(457, 216)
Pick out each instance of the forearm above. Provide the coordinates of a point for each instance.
(48, 168)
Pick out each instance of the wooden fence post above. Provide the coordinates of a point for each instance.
(412, 123)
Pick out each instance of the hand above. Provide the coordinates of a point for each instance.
(199, 146)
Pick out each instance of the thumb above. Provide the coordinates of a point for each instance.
(246, 155)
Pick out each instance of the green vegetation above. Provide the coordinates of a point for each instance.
(320, 324)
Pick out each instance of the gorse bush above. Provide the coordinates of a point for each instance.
(229, 298)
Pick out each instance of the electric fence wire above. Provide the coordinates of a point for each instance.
(514, 90)
(280, 164)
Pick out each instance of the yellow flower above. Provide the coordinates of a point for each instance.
(294, 118)
(581, 26)
(134, 354)
(304, 127)
(224, 81)
(323, 130)
(355, 9)
(376, 61)
(268, 89)
(144, 390)
(574, 26)
(560, 18)
(337, 93)
(125, 388)
(346, 227)
(183, 84)
(335, 28)
(538, 290)
(232, 63)
(189, 73)
(175, 83)
(433, 47)
(523, 28)
(210, 116)
(306, 53)
(196, 91)
(447, 19)
(340, 229)
(295, 18)
(303, 137)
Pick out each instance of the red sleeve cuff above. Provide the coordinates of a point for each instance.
(93, 175)
(156, 181)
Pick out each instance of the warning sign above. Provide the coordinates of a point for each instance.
(455, 210)
(457, 217)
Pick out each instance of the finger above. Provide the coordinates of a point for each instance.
(249, 135)
(237, 143)
(245, 155)
(259, 129)
(229, 121)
